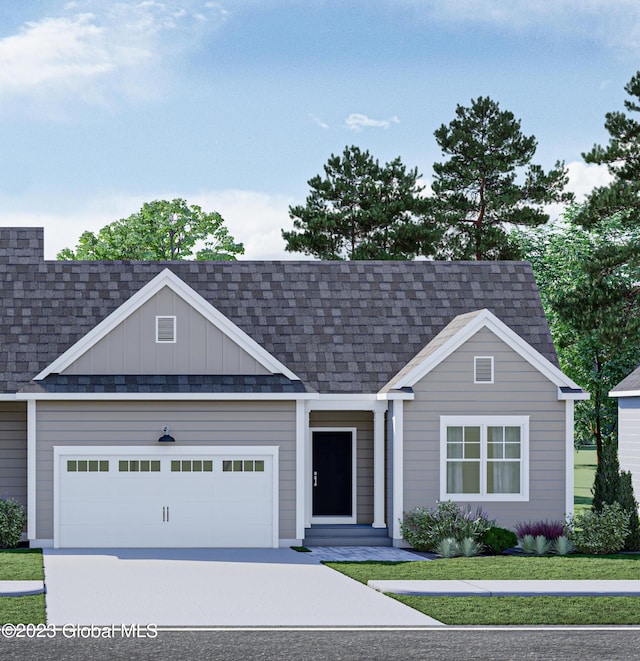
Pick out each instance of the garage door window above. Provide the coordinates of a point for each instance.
(243, 466)
(82, 466)
(192, 466)
(138, 466)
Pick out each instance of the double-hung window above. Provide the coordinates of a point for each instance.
(484, 458)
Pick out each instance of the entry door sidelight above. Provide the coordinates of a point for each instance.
(332, 477)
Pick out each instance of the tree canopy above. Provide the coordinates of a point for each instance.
(161, 230)
(477, 197)
(361, 210)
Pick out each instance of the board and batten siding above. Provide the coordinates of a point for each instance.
(13, 451)
(200, 347)
(629, 438)
(363, 422)
(518, 389)
(192, 424)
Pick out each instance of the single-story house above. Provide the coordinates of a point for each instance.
(212, 404)
(628, 395)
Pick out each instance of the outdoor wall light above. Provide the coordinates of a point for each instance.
(165, 438)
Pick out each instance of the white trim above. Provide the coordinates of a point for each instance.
(31, 470)
(174, 332)
(8, 397)
(572, 395)
(302, 422)
(475, 370)
(485, 319)
(148, 396)
(378, 468)
(60, 451)
(354, 475)
(569, 440)
(484, 421)
(397, 422)
(168, 279)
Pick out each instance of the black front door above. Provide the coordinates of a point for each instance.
(332, 473)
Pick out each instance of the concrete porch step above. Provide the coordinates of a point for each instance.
(346, 535)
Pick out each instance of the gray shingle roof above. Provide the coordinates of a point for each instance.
(340, 326)
(631, 382)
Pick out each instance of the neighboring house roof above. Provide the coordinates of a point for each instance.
(629, 386)
(343, 327)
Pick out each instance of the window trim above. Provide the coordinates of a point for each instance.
(475, 370)
(174, 332)
(484, 421)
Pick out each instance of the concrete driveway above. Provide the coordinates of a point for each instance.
(210, 587)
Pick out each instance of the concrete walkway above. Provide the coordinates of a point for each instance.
(211, 587)
(20, 588)
(451, 588)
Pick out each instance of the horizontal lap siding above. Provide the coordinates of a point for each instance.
(13, 451)
(190, 423)
(629, 438)
(363, 422)
(519, 389)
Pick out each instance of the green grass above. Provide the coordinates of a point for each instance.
(583, 474)
(22, 565)
(501, 567)
(527, 610)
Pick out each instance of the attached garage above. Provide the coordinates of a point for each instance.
(129, 496)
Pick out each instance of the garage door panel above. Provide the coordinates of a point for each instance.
(171, 501)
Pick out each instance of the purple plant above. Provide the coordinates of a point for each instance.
(549, 529)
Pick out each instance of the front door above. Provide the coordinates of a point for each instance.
(332, 478)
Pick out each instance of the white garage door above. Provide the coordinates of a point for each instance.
(140, 497)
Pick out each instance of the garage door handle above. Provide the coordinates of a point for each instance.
(165, 514)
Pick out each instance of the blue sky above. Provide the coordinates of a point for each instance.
(235, 104)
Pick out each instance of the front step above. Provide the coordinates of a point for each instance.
(346, 535)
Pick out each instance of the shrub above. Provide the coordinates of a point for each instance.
(498, 540)
(12, 520)
(424, 528)
(447, 548)
(549, 529)
(542, 545)
(599, 532)
(470, 547)
(562, 546)
(627, 500)
(528, 544)
(605, 484)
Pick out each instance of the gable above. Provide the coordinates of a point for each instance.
(199, 347)
(125, 341)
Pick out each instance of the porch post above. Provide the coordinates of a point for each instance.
(31, 469)
(378, 465)
(302, 430)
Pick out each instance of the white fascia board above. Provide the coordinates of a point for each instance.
(346, 402)
(168, 279)
(8, 397)
(573, 395)
(487, 319)
(624, 393)
(387, 396)
(164, 396)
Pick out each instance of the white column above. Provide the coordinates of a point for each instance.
(378, 465)
(31, 469)
(302, 427)
(568, 507)
(398, 467)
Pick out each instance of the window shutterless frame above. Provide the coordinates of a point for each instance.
(490, 448)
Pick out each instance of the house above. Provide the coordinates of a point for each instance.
(210, 404)
(628, 394)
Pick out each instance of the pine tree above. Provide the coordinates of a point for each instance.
(477, 197)
(605, 488)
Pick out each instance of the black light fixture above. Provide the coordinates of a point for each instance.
(165, 438)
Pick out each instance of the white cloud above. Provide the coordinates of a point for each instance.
(319, 122)
(616, 24)
(357, 122)
(97, 51)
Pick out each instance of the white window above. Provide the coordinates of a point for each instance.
(483, 369)
(165, 329)
(484, 458)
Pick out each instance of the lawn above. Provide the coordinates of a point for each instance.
(583, 474)
(512, 610)
(25, 565)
